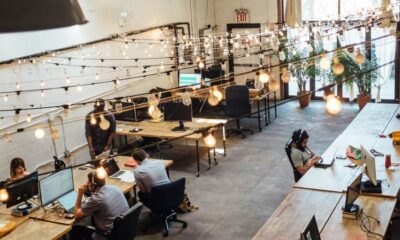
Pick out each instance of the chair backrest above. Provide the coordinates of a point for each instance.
(288, 150)
(126, 225)
(168, 196)
(237, 101)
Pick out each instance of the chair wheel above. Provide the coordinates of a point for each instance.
(184, 225)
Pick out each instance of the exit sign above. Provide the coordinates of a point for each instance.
(242, 16)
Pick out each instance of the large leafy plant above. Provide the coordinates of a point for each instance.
(363, 75)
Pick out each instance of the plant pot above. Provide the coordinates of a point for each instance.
(304, 100)
(363, 100)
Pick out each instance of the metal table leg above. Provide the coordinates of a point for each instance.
(275, 105)
(198, 158)
(224, 139)
(265, 111)
(209, 158)
(259, 116)
(215, 157)
(268, 105)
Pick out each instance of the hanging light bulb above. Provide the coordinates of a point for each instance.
(201, 65)
(5, 98)
(338, 67)
(274, 85)
(156, 113)
(42, 83)
(212, 99)
(17, 86)
(68, 80)
(359, 58)
(333, 104)
(151, 109)
(96, 77)
(101, 173)
(217, 93)
(210, 140)
(198, 59)
(39, 133)
(104, 123)
(324, 62)
(264, 77)
(28, 118)
(79, 88)
(3, 195)
(285, 76)
(282, 56)
(93, 119)
(236, 45)
(186, 99)
(55, 134)
(42, 93)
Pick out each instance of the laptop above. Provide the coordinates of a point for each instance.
(325, 163)
(68, 201)
(112, 169)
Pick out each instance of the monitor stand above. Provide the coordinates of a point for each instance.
(369, 187)
(180, 128)
(351, 208)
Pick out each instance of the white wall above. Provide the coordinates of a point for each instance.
(103, 21)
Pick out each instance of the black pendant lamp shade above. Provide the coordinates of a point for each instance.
(30, 15)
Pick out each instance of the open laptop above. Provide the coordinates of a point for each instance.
(112, 169)
(68, 201)
(325, 163)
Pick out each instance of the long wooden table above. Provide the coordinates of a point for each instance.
(45, 223)
(163, 130)
(326, 187)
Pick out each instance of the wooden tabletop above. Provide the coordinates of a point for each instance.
(37, 230)
(342, 228)
(363, 130)
(161, 129)
(293, 214)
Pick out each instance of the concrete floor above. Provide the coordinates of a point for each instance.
(237, 196)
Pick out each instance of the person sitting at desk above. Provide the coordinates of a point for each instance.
(149, 173)
(100, 127)
(303, 158)
(104, 205)
(17, 169)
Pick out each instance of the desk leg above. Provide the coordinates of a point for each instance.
(259, 116)
(198, 158)
(265, 111)
(215, 157)
(224, 139)
(269, 113)
(135, 195)
(275, 105)
(209, 158)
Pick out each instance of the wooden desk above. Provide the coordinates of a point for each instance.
(80, 177)
(342, 228)
(363, 130)
(163, 130)
(6, 216)
(37, 230)
(294, 212)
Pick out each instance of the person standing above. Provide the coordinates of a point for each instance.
(100, 127)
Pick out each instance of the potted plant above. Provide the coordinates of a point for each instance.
(303, 71)
(359, 74)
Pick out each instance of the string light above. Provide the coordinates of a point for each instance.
(333, 104)
(3, 195)
(338, 67)
(217, 93)
(28, 118)
(39, 133)
(201, 65)
(104, 123)
(359, 58)
(93, 119)
(212, 99)
(324, 62)
(42, 93)
(210, 140)
(5, 98)
(17, 86)
(42, 83)
(79, 88)
(101, 173)
(68, 80)
(285, 75)
(274, 85)
(264, 77)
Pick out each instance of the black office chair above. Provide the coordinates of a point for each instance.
(288, 149)
(164, 199)
(125, 225)
(237, 106)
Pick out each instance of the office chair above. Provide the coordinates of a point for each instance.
(288, 150)
(125, 225)
(237, 106)
(164, 199)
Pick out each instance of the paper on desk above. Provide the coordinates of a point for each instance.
(127, 177)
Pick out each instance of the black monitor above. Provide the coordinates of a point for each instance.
(178, 112)
(22, 190)
(353, 191)
(310, 232)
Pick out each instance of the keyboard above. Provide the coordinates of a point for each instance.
(117, 174)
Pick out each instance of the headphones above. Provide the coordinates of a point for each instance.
(299, 137)
(93, 182)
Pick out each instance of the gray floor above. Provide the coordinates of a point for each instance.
(237, 196)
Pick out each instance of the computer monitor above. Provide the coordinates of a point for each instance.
(178, 112)
(22, 190)
(310, 231)
(373, 185)
(190, 79)
(353, 191)
(56, 185)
